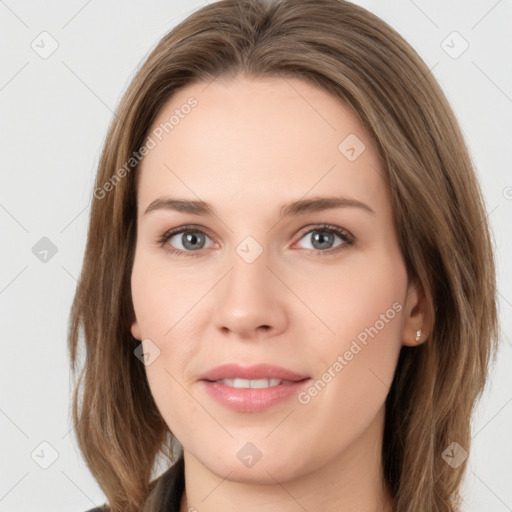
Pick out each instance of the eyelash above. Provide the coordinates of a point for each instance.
(347, 238)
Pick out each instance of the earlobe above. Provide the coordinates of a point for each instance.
(416, 321)
(135, 330)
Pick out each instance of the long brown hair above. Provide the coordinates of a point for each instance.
(438, 210)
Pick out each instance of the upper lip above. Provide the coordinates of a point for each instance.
(258, 371)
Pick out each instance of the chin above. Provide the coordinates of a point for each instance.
(249, 464)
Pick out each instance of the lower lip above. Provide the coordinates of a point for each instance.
(252, 399)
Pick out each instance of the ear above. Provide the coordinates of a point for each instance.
(135, 329)
(416, 316)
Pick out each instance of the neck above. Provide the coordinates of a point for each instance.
(350, 481)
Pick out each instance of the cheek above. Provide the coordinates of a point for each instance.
(364, 308)
(160, 298)
(361, 298)
(354, 376)
(184, 416)
(164, 304)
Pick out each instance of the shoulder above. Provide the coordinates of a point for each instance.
(98, 509)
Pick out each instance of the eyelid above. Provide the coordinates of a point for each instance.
(337, 230)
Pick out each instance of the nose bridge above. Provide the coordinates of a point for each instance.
(249, 280)
(249, 297)
(249, 274)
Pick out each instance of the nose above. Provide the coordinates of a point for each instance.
(250, 300)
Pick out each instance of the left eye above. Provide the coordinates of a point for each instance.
(322, 239)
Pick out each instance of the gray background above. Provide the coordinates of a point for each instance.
(54, 116)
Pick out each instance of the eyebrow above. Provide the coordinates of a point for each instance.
(299, 207)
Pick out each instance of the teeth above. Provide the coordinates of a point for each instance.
(251, 383)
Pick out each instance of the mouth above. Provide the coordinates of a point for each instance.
(252, 388)
(253, 383)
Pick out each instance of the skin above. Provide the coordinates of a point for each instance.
(249, 146)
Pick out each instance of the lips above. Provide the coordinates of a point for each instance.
(255, 372)
(252, 388)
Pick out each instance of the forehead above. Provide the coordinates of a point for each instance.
(255, 138)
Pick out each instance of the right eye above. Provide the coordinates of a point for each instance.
(185, 241)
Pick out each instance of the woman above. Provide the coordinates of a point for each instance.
(288, 289)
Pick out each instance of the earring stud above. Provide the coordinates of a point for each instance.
(418, 335)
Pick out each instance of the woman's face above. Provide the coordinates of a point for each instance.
(290, 273)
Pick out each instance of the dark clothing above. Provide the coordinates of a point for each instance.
(170, 486)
